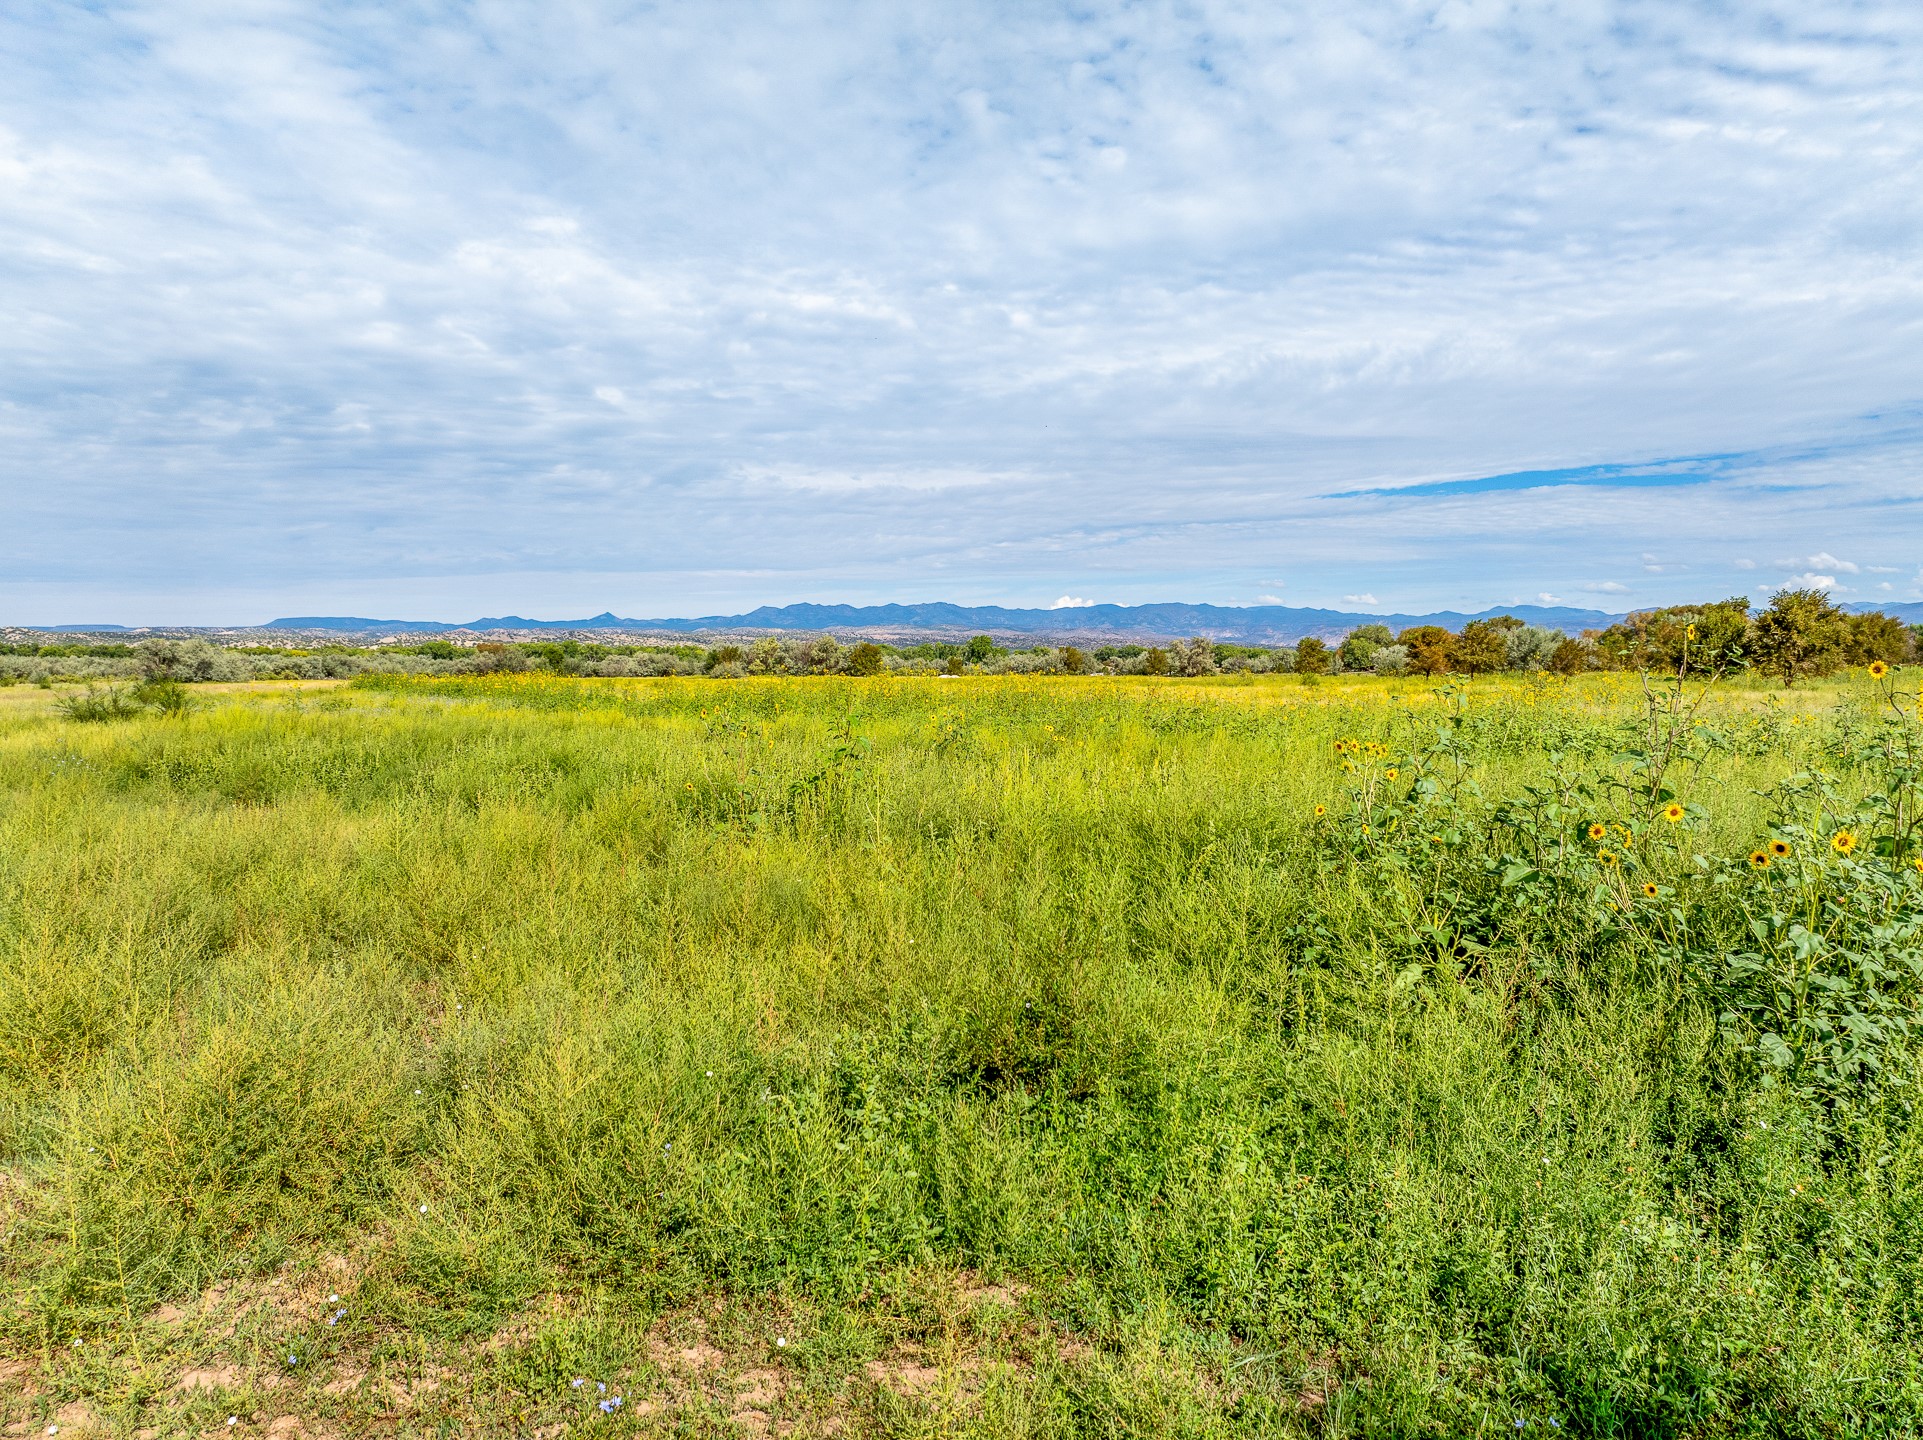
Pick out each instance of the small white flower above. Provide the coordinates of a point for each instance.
(331, 1299)
(781, 1341)
(423, 1209)
(233, 1419)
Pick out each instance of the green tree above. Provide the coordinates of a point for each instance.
(1311, 656)
(1483, 646)
(1074, 662)
(1801, 633)
(1570, 657)
(1359, 646)
(865, 659)
(1155, 661)
(980, 649)
(1876, 636)
(1432, 650)
(1683, 639)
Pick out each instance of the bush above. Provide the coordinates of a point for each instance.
(865, 659)
(169, 697)
(94, 706)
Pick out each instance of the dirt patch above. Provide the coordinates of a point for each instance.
(904, 1377)
(345, 1381)
(76, 1417)
(1007, 1293)
(758, 1388)
(210, 1377)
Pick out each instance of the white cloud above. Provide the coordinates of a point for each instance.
(1270, 600)
(1071, 602)
(1809, 580)
(1543, 597)
(1745, 564)
(1606, 587)
(1363, 599)
(763, 281)
(1826, 561)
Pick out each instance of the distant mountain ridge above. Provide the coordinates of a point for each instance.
(1253, 625)
(940, 620)
(1249, 625)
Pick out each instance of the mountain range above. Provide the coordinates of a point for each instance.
(1252, 625)
(1099, 624)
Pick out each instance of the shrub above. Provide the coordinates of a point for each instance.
(1311, 656)
(97, 705)
(865, 659)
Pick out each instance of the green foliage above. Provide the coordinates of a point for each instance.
(97, 704)
(1482, 647)
(1359, 646)
(865, 659)
(1311, 656)
(1432, 649)
(558, 1003)
(1802, 632)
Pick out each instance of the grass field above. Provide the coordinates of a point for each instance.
(977, 1057)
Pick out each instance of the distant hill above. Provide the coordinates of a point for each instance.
(1910, 614)
(938, 620)
(1251, 625)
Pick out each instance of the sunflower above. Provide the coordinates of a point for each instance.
(1878, 669)
(1650, 890)
(1672, 812)
(1759, 859)
(1606, 857)
(1842, 842)
(1320, 811)
(1779, 848)
(1390, 773)
(1690, 633)
(1598, 830)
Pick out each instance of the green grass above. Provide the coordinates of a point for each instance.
(1026, 1056)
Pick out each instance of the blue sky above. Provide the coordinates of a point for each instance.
(447, 309)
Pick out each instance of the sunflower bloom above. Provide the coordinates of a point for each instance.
(1650, 890)
(1779, 848)
(1878, 669)
(1842, 842)
(1598, 831)
(1606, 857)
(1759, 859)
(1672, 812)
(1320, 811)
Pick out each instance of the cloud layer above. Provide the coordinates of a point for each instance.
(677, 309)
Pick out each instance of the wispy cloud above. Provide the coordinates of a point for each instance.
(558, 308)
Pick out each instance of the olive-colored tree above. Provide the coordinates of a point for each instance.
(1432, 649)
(1801, 633)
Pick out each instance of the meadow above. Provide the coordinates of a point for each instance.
(992, 1056)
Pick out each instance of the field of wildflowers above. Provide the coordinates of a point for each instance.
(517, 1054)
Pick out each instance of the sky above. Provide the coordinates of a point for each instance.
(419, 310)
